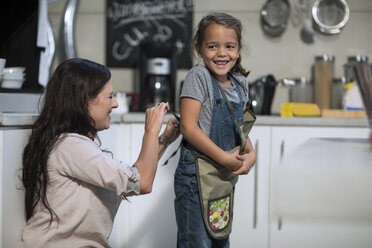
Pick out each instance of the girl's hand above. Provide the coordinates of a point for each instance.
(231, 160)
(248, 160)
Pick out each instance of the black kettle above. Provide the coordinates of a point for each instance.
(261, 94)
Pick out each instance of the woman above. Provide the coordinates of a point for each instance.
(72, 188)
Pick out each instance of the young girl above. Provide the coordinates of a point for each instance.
(206, 122)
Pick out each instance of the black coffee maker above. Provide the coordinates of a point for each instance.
(261, 94)
(157, 74)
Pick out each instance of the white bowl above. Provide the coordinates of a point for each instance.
(13, 77)
(14, 69)
(12, 84)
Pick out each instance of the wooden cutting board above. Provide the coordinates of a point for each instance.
(340, 113)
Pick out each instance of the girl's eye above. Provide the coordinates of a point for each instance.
(211, 46)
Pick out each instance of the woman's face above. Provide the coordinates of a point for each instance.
(101, 107)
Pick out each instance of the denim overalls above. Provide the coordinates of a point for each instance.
(191, 230)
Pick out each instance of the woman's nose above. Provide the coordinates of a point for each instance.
(115, 103)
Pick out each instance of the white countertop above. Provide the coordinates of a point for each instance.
(26, 119)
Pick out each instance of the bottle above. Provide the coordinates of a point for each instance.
(323, 74)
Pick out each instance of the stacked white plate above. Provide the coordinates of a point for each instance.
(13, 77)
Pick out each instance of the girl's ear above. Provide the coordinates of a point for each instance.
(198, 52)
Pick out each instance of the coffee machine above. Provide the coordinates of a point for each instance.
(157, 74)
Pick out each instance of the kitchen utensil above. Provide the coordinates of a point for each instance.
(363, 72)
(301, 16)
(302, 90)
(349, 72)
(323, 75)
(330, 16)
(337, 93)
(274, 17)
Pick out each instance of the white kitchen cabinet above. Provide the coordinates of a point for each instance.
(251, 210)
(285, 139)
(287, 232)
(149, 220)
(12, 217)
(146, 220)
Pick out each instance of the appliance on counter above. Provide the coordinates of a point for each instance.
(261, 93)
(157, 74)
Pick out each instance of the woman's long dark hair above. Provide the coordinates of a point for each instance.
(65, 110)
(227, 21)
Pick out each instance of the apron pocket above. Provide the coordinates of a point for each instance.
(219, 212)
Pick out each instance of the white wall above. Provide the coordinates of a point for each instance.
(286, 56)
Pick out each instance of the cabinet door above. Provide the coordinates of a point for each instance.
(12, 215)
(286, 139)
(287, 232)
(251, 210)
(147, 220)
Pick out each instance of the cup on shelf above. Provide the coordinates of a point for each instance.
(13, 77)
(2, 65)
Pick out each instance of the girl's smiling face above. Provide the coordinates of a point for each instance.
(219, 50)
(101, 107)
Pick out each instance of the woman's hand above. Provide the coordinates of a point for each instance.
(172, 131)
(149, 155)
(155, 117)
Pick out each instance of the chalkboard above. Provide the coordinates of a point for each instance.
(130, 23)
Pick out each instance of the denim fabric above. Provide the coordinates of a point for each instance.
(191, 229)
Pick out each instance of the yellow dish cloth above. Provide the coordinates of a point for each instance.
(299, 109)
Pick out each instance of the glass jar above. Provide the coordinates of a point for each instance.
(323, 75)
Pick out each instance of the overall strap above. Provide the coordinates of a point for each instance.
(243, 139)
(229, 106)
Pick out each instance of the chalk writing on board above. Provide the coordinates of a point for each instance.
(130, 23)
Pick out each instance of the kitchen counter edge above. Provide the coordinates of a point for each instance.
(26, 119)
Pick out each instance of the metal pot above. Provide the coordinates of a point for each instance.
(274, 17)
(302, 90)
(330, 16)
